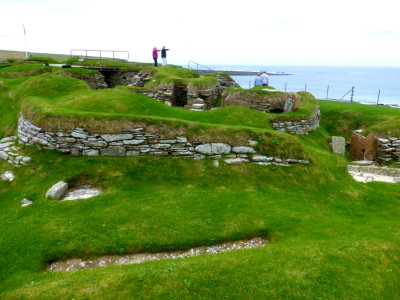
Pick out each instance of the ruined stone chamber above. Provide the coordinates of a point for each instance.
(271, 102)
(177, 94)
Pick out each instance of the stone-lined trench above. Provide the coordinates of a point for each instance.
(75, 264)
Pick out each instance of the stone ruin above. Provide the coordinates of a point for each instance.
(374, 147)
(273, 102)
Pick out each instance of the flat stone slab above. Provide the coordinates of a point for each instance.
(338, 144)
(363, 162)
(371, 173)
(81, 191)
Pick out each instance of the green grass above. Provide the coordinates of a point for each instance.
(330, 237)
(341, 118)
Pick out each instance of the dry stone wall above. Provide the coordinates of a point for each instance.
(388, 148)
(299, 127)
(285, 102)
(136, 141)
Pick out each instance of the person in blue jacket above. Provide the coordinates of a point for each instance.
(258, 80)
(164, 56)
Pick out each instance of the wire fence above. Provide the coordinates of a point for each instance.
(347, 96)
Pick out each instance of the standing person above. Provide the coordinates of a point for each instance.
(265, 79)
(258, 80)
(155, 55)
(164, 56)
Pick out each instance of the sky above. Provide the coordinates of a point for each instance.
(211, 32)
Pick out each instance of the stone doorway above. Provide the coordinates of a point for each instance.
(179, 96)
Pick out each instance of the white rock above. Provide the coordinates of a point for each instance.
(57, 191)
(5, 145)
(8, 176)
(3, 155)
(8, 139)
(26, 202)
(243, 149)
(213, 148)
(231, 161)
(253, 143)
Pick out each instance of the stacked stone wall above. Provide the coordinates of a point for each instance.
(299, 127)
(135, 141)
(388, 149)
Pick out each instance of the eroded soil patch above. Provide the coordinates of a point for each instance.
(108, 260)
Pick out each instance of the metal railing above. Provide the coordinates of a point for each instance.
(101, 53)
(199, 68)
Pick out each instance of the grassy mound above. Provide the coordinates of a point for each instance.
(330, 237)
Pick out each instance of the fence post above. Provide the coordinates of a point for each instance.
(352, 94)
(285, 86)
(327, 92)
(249, 84)
(305, 87)
(379, 94)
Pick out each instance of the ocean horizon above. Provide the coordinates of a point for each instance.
(329, 82)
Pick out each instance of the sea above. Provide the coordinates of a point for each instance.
(368, 85)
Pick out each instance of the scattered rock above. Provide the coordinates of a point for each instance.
(57, 191)
(216, 163)
(26, 202)
(8, 176)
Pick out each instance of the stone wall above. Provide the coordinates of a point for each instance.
(95, 81)
(280, 103)
(135, 141)
(388, 148)
(300, 126)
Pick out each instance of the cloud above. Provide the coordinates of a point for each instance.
(382, 32)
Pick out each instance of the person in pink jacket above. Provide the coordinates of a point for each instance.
(155, 55)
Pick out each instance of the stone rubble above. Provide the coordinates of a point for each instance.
(9, 152)
(135, 141)
(79, 264)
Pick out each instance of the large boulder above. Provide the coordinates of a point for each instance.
(57, 191)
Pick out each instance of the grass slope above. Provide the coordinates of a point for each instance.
(331, 238)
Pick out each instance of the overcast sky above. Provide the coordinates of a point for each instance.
(230, 32)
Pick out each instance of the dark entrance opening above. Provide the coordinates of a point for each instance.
(277, 110)
(109, 78)
(180, 96)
